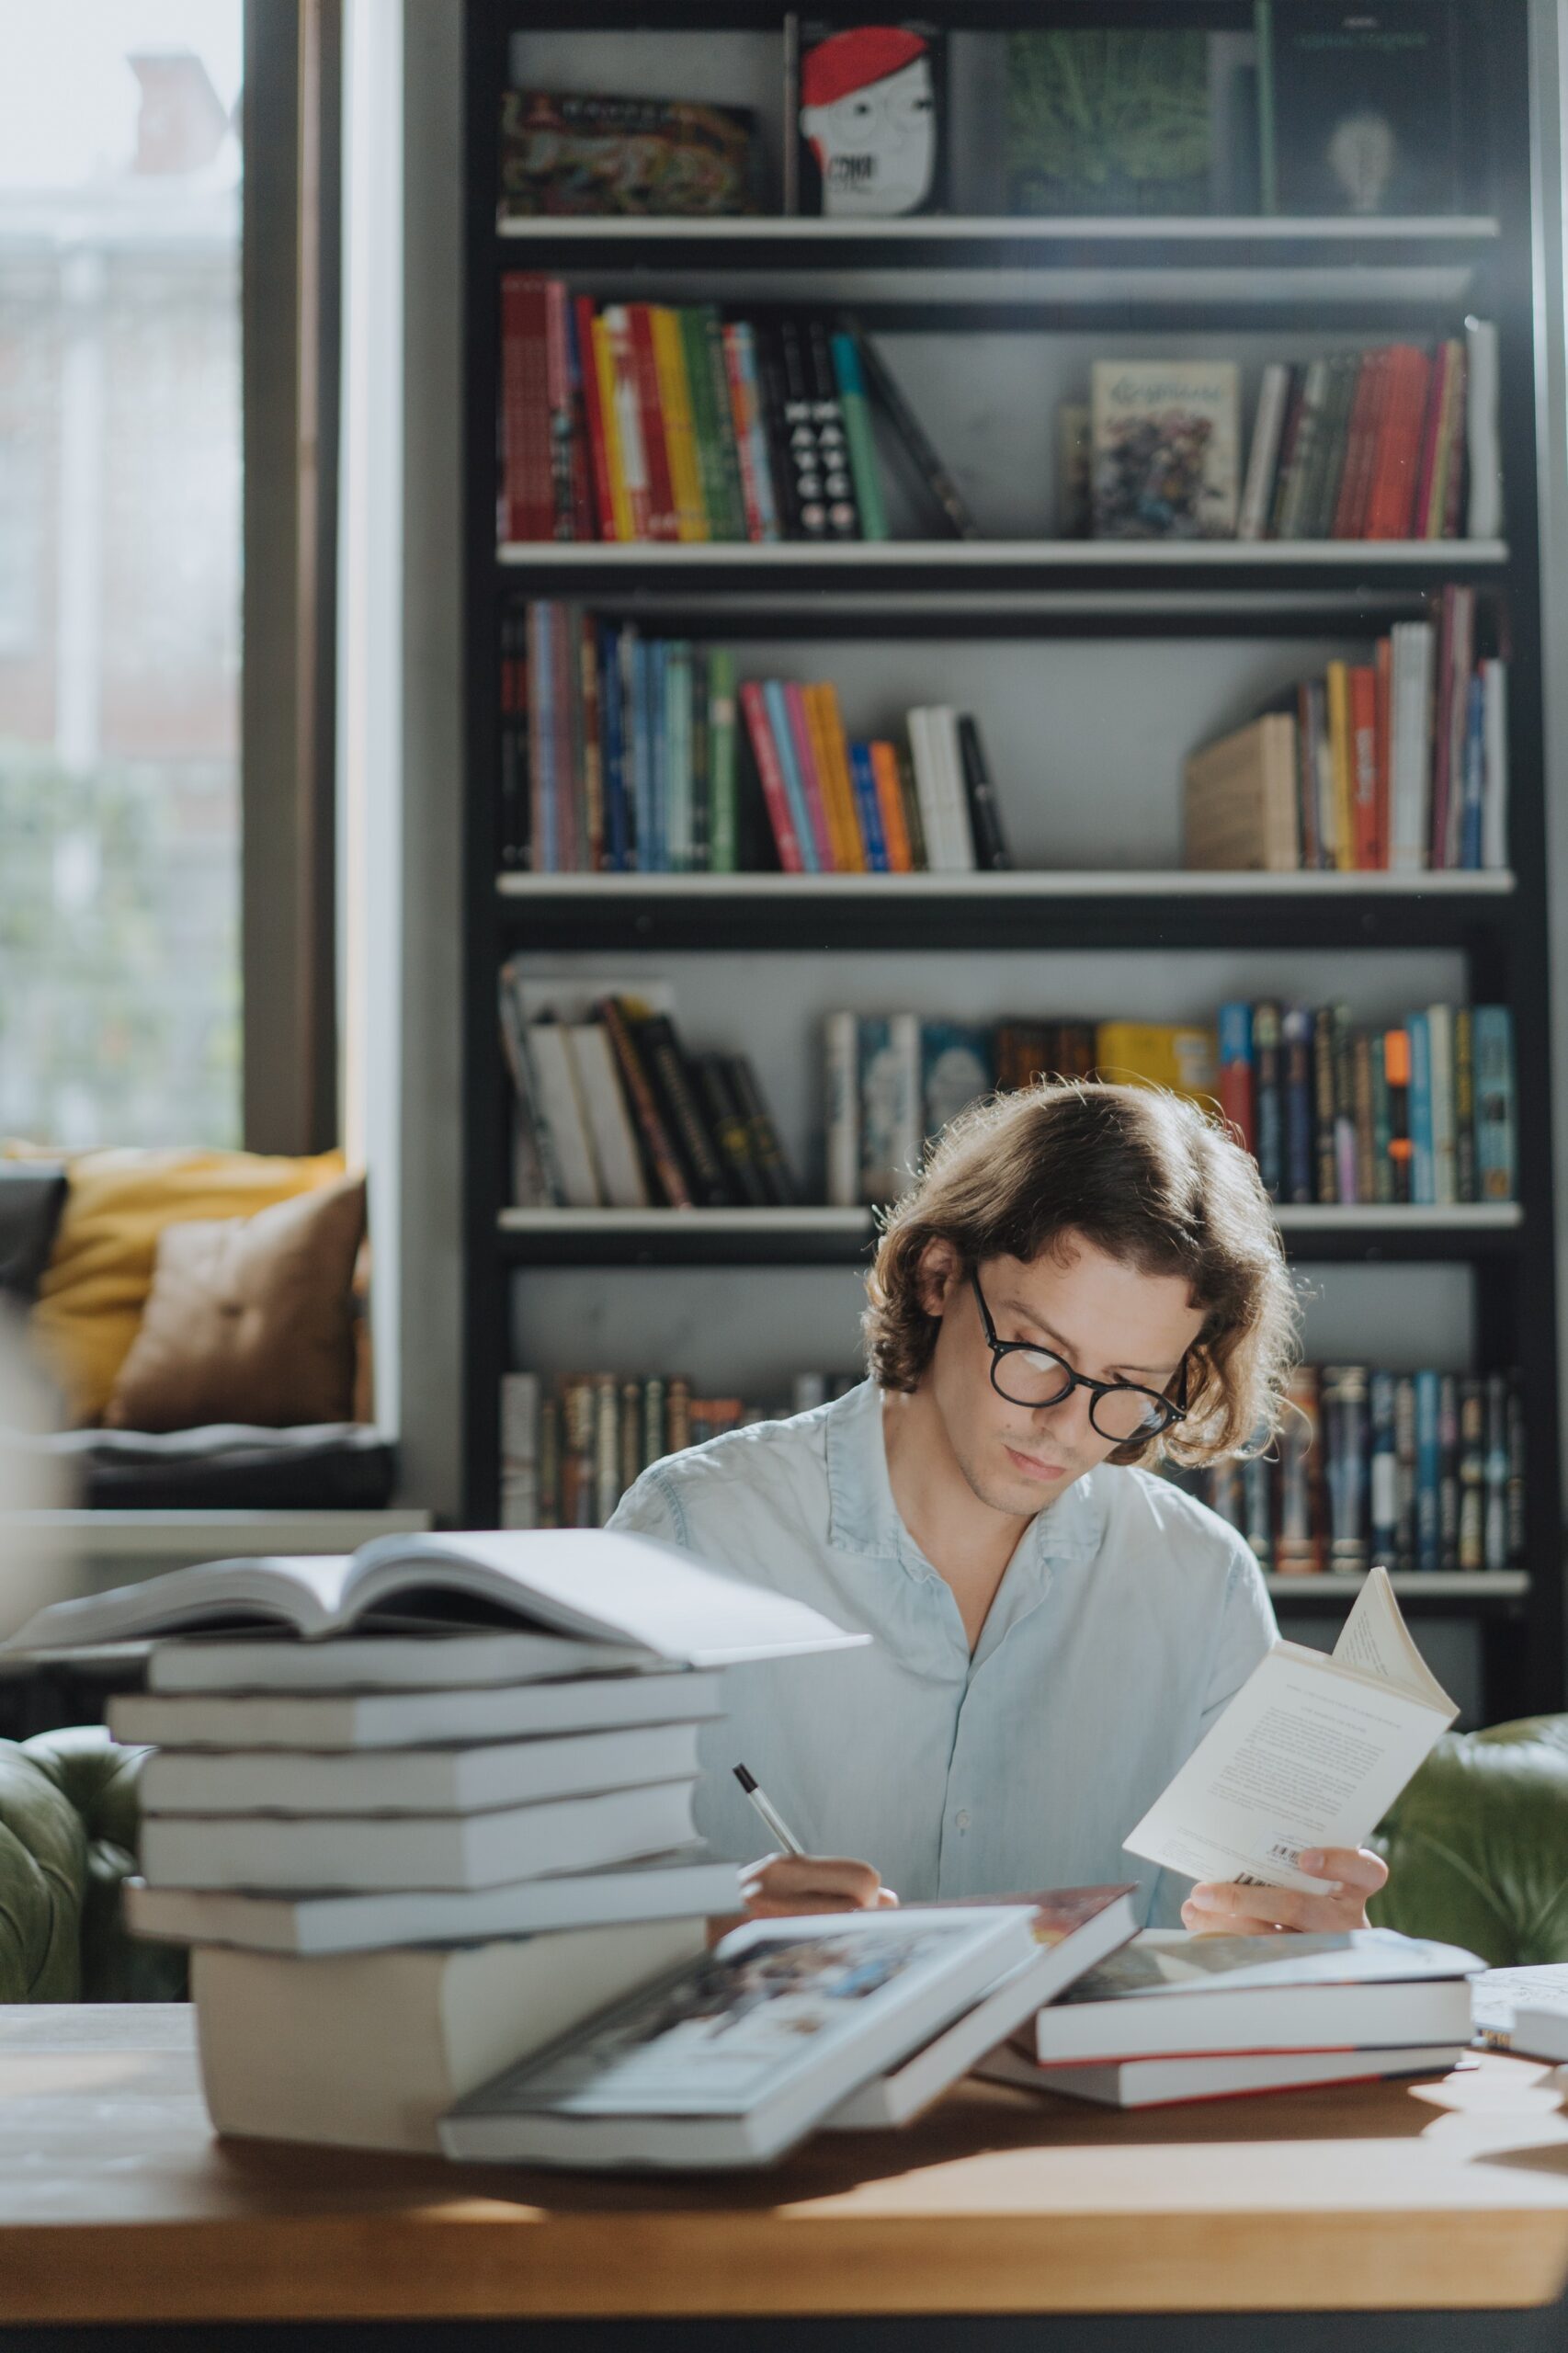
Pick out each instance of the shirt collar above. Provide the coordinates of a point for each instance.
(863, 1517)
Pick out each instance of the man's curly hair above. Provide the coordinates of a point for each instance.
(1146, 1178)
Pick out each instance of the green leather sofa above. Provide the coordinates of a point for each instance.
(1477, 1850)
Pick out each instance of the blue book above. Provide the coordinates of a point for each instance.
(865, 809)
(955, 1071)
(1268, 1098)
(1236, 1095)
(659, 762)
(1423, 1164)
(642, 752)
(1474, 774)
(784, 744)
(1497, 1138)
(1428, 1474)
(612, 737)
(1296, 1033)
(541, 738)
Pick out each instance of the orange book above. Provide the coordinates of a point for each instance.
(1341, 763)
(832, 767)
(890, 801)
(1364, 767)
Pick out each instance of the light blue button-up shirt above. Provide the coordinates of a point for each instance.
(1128, 1617)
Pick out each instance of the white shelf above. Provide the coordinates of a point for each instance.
(1444, 1585)
(1477, 1217)
(1461, 1217)
(1227, 229)
(967, 555)
(1095, 883)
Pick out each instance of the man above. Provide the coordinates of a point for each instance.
(1082, 1278)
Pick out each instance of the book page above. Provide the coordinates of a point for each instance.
(305, 1592)
(1376, 1641)
(597, 1583)
(1305, 1755)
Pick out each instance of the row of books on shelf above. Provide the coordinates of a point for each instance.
(1417, 1470)
(1397, 442)
(646, 423)
(621, 752)
(1420, 1471)
(653, 423)
(612, 1112)
(571, 1448)
(1420, 1112)
(1393, 443)
(1399, 764)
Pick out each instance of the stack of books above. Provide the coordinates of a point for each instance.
(643, 422)
(613, 1112)
(1173, 2017)
(1398, 764)
(421, 1811)
(622, 752)
(1420, 1471)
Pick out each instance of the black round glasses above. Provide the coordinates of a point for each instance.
(1028, 1375)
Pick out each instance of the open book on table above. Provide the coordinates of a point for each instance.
(654, 1601)
(1311, 1752)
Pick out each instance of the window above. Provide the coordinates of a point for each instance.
(120, 571)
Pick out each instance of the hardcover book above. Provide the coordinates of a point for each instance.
(569, 155)
(1164, 448)
(1359, 107)
(872, 120)
(1106, 122)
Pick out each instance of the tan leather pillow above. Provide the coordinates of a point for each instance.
(248, 1319)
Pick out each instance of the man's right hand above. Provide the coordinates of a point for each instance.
(780, 1885)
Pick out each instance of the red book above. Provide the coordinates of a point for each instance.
(1364, 767)
(1236, 1099)
(598, 449)
(1392, 502)
(774, 792)
(528, 494)
(740, 404)
(1432, 437)
(661, 489)
(1384, 676)
(558, 390)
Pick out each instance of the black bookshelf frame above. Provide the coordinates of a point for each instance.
(1055, 589)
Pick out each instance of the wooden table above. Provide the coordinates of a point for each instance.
(1395, 2201)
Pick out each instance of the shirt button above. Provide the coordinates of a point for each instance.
(962, 1817)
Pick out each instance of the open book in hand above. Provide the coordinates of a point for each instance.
(632, 1591)
(1311, 1752)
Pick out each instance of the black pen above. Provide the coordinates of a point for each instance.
(776, 1826)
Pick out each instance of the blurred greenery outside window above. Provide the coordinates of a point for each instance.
(120, 571)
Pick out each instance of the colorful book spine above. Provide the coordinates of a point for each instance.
(1428, 1474)
(770, 771)
(1423, 1188)
(1236, 1099)
(856, 409)
(814, 782)
(1268, 1098)
(724, 837)
(751, 439)
(868, 808)
(1496, 1148)
(778, 700)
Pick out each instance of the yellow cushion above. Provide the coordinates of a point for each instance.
(90, 1301)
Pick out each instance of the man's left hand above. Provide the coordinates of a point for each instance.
(1216, 1909)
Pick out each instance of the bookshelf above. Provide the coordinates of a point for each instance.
(1182, 638)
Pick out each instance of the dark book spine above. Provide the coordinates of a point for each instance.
(930, 472)
(665, 1167)
(1384, 1479)
(1296, 1083)
(844, 521)
(701, 764)
(730, 1129)
(1396, 1067)
(1464, 1105)
(775, 429)
(1325, 1164)
(665, 1064)
(1448, 1471)
(1346, 1176)
(763, 1137)
(1268, 1105)
(984, 821)
(807, 499)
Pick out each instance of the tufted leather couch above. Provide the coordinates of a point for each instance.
(1477, 1850)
